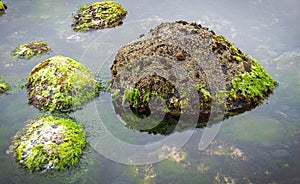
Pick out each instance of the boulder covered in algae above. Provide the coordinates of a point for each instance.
(49, 142)
(31, 49)
(61, 84)
(182, 71)
(99, 15)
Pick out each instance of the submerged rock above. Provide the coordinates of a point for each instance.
(180, 69)
(99, 15)
(61, 84)
(49, 142)
(28, 50)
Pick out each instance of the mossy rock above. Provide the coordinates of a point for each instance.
(99, 15)
(3, 7)
(189, 68)
(61, 84)
(31, 49)
(3, 86)
(49, 142)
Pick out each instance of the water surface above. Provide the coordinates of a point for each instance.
(260, 146)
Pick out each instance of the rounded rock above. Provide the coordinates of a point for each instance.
(40, 147)
(61, 84)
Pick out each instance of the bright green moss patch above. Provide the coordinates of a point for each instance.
(203, 90)
(99, 15)
(3, 7)
(132, 95)
(28, 50)
(61, 84)
(49, 142)
(255, 84)
(3, 86)
(237, 58)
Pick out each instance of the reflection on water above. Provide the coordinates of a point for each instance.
(261, 146)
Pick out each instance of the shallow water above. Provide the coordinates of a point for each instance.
(259, 146)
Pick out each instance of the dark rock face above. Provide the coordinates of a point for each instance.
(191, 71)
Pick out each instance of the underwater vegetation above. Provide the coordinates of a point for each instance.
(99, 15)
(61, 84)
(49, 142)
(28, 50)
(182, 63)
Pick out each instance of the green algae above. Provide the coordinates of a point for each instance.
(3, 86)
(249, 87)
(237, 58)
(133, 96)
(49, 142)
(31, 49)
(3, 7)
(203, 90)
(99, 15)
(255, 84)
(61, 84)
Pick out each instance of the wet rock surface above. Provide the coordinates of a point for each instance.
(60, 84)
(99, 15)
(189, 70)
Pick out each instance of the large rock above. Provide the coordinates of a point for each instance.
(189, 71)
(31, 49)
(61, 84)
